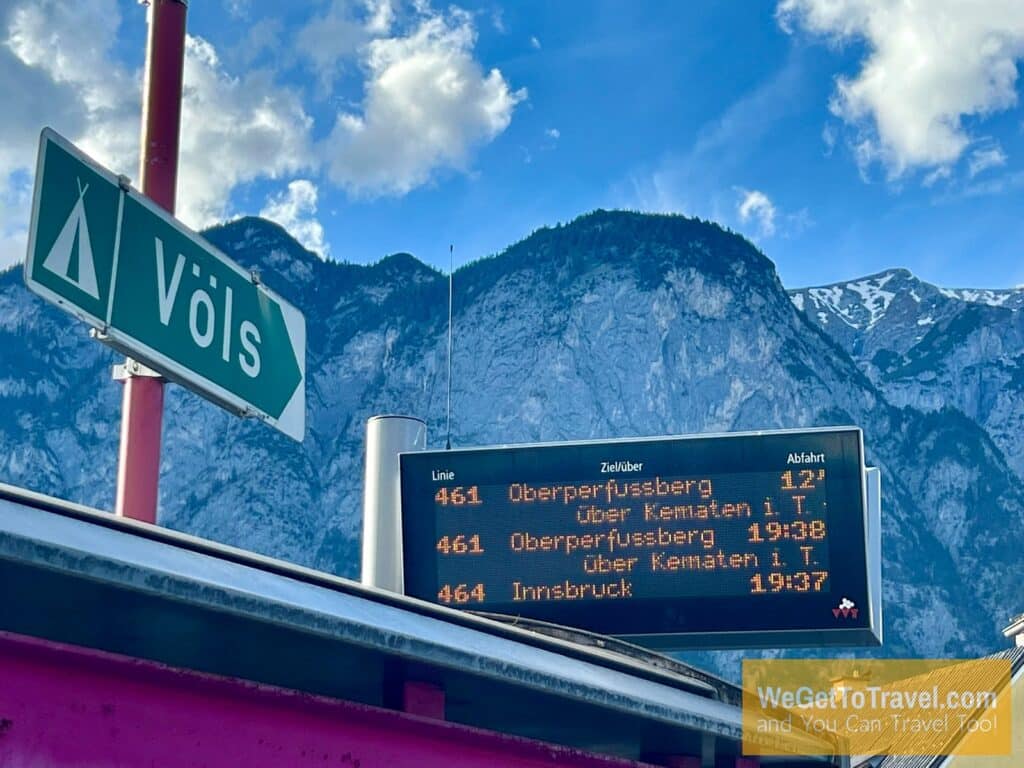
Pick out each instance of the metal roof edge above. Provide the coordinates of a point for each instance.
(149, 560)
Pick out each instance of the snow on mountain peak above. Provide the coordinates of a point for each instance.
(1011, 298)
(874, 298)
(863, 303)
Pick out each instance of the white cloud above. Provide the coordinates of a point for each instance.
(534, 42)
(54, 70)
(295, 210)
(331, 40)
(263, 40)
(382, 16)
(928, 66)
(828, 136)
(997, 185)
(58, 69)
(64, 50)
(984, 158)
(234, 130)
(427, 104)
(553, 133)
(498, 20)
(756, 206)
(238, 8)
(939, 174)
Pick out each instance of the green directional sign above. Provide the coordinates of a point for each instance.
(159, 292)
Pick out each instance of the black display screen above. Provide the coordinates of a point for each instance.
(755, 532)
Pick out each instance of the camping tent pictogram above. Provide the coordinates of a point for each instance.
(60, 259)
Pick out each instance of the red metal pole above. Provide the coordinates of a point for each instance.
(138, 471)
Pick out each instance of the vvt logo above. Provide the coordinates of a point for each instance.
(847, 609)
(70, 258)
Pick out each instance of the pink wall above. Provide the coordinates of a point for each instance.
(73, 708)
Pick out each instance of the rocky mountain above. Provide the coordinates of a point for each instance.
(616, 324)
(932, 348)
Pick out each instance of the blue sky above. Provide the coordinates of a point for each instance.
(842, 136)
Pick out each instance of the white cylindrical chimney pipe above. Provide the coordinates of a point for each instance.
(386, 437)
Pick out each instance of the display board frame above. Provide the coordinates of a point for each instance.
(674, 622)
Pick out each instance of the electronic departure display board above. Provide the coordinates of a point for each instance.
(738, 540)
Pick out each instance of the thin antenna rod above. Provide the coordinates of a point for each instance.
(451, 270)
